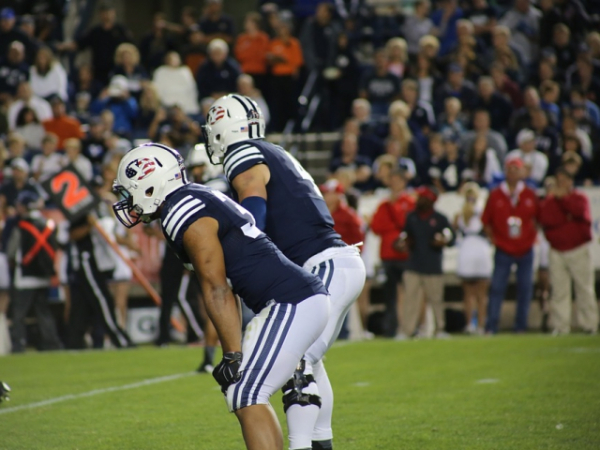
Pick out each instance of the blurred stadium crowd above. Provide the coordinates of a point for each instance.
(451, 95)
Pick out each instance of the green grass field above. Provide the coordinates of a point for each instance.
(507, 392)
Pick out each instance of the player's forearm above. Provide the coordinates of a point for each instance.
(222, 309)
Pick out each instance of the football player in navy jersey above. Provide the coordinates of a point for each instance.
(201, 171)
(218, 239)
(289, 208)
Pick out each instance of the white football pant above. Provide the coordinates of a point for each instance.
(274, 341)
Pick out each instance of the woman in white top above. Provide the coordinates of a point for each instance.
(176, 84)
(245, 85)
(535, 161)
(474, 258)
(127, 63)
(73, 156)
(425, 68)
(482, 162)
(30, 128)
(47, 76)
(48, 162)
(120, 280)
(397, 56)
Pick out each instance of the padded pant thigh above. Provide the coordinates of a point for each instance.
(274, 342)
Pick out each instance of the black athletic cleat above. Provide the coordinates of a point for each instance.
(205, 367)
(161, 342)
(4, 391)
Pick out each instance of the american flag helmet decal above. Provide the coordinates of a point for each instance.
(215, 114)
(138, 169)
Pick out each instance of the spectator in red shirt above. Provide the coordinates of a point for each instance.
(251, 49)
(566, 219)
(351, 228)
(505, 85)
(388, 222)
(346, 220)
(509, 219)
(64, 126)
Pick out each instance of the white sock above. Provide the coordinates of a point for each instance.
(323, 429)
(5, 344)
(301, 419)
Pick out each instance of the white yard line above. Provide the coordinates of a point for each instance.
(126, 387)
(64, 398)
(488, 381)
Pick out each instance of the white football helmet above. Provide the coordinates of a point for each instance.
(232, 118)
(146, 175)
(198, 156)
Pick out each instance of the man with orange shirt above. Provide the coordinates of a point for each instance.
(388, 222)
(566, 218)
(285, 58)
(62, 125)
(509, 220)
(251, 49)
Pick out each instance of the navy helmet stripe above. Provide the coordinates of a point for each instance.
(244, 99)
(241, 103)
(255, 352)
(287, 326)
(173, 152)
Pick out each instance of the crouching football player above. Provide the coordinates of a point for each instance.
(288, 206)
(218, 239)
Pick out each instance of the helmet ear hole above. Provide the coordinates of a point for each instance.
(149, 191)
(218, 137)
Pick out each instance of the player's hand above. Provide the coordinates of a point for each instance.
(226, 372)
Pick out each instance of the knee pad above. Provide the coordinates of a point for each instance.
(293, 390)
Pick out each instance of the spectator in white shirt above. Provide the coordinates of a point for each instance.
(417, 25)
(481, 125)
(73, 156)
(30, 128)
(47, 76)
(361, 110)
(48, 162)
(245, 86)
(25, 97)
(482, 162)
(535, 161)
(523, 20)
(176, 85)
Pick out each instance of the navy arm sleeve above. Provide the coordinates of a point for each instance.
(258, 208)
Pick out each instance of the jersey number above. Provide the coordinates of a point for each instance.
(249, 229)
(301, 171)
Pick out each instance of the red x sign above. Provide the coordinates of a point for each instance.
(41, 240)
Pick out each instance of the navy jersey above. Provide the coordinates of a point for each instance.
(298, 220)
(258, 271)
